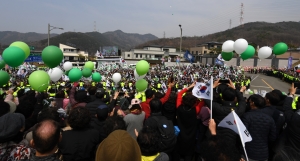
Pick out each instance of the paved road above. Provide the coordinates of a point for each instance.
(261, 83)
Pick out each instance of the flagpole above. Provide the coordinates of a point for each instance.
(211, 95)
(234, 115)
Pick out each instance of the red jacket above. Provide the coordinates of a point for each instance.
(198, 105)
(146, 107)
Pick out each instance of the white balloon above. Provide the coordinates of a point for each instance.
(264, 52)
(137, 77)
(228, 46)
(67, 66)
(116, 77)
(55, 74)
(240, 45)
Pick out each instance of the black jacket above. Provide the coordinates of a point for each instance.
(277, 116)
(293, 128)
(169, 111)
(220, 111)
(262, 129)
(92, 106)
(79, 145)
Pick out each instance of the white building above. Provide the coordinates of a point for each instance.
(74, 55)
(152, 52)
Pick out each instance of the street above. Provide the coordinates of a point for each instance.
(261, 83)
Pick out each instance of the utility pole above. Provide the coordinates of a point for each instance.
(242, 15)
(180, 39)
(164, 34)
(230, 24)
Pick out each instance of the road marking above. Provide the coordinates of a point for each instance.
(254, 78)
(267, 84)
(260, 86)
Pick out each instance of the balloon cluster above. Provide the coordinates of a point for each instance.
(142, 68)
(13, 56)
(52, 56)
(241, 47)
(76, 74)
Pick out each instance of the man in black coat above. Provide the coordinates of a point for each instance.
(292, 119)
(272, 99)
(230, 97)
(261, 127)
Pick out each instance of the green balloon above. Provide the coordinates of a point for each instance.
(23, 46)
(39, 80)
(249, 53)
(89, 65)
(96, 77)
(13, 56)
(141, 85)
(227, 55)
(75, 74)
(52, 56)
(2, 64)
(86, 72)
(4, 78)
(67, 72)
(280, 48)
(142, 67)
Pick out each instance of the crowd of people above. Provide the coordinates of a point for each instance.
(109, 121)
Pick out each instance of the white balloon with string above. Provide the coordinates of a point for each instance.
(264, 52)
(67, 66)
(136, 75)
(240, 45)
(55, 74)
(116, 77)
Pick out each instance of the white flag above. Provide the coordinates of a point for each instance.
(164, 87)
(233, 122)
(203, 90)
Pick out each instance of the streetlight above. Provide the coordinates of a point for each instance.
(180, 39)
(52, 28)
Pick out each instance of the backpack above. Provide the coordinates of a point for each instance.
(167, 133)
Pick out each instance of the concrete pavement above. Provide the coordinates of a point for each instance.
(261, 83)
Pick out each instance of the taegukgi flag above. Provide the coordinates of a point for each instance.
(203, 90)
(233, 122)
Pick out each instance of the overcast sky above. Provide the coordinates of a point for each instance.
(197, 17)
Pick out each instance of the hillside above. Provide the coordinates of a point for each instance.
(127, 40)
(90, 41)
(260, 33)
(83, 41)
(7, 37)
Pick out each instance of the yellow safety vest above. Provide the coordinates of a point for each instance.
(294, 104)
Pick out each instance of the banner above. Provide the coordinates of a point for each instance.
(35, 58)
(290, 62)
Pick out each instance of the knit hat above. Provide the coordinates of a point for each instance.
(120, 146)
(134, 102)
(11, 124)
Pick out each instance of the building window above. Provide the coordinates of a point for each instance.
(136, 55)
(140, 55)
(128, 55)
(66, 58)
(196, 52)
(205, 52)
(75, 58)
(192, 52)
